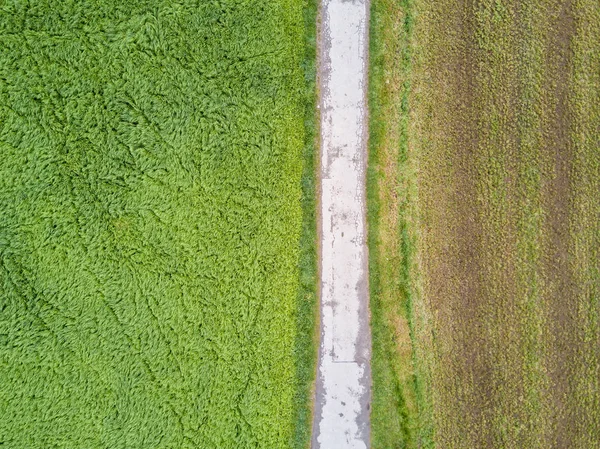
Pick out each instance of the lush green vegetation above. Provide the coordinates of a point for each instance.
(152, 200)
(485, 168)
(307, 339)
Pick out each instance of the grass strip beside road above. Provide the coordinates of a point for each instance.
(307, 337)
(400, 414)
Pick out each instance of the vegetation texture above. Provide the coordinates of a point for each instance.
(307, 338)
(485, 223)
(399, 408)
(151, 211)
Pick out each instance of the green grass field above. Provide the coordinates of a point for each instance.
(157, 272)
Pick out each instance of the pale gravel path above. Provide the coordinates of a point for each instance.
(342, 402)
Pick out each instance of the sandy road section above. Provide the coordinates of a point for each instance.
(344, 376)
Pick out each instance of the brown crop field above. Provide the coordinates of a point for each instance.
(484, 188)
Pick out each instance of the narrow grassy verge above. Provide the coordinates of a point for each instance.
(399, 405)
(306, 336)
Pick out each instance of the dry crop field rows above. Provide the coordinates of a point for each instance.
(485, 220)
